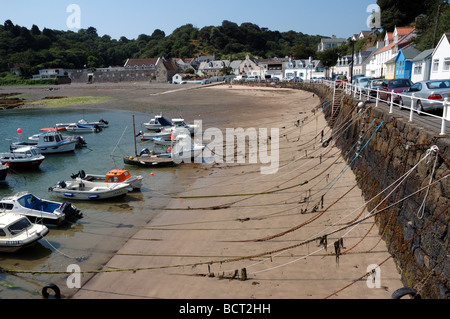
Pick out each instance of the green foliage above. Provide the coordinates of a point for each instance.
(421, 14)
(11, 79)
(86, 49)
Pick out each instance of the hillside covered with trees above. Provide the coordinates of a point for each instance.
(38, 49)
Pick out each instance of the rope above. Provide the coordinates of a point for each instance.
(392, 255)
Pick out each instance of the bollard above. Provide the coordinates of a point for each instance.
(378, 97)
(412, 108)
(391, 105)
(445, 116)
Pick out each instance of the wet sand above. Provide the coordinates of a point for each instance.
(231, 217)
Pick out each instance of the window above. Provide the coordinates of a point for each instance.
(6, 206)
(418, 69)
(446, 65)
(19, 226)
(435, 65)
(416, 87)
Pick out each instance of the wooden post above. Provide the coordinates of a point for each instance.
(243, 274)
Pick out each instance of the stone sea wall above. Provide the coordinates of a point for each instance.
(415, 225)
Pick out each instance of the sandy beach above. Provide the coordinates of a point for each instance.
(232, 221)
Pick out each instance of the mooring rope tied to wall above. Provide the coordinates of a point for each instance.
(316, 237)
(342, 129)
(393, 254)
(12, 271)
(319, 214)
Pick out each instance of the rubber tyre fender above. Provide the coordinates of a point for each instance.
(401, 292)
(53, 287)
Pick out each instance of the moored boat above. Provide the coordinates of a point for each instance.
(27, 157)
(17, 231)
(79, 140)
(157, 123)
(39, 210)
(113, 176)
(84, 128)
(101, 123)
(87, 190)
(49, 142)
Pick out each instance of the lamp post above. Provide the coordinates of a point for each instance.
(353, 61)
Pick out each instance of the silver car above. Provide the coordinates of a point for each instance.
(428, 95)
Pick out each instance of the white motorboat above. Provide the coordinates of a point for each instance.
(16, 231)
(83, 128)
(80, 142)
(157, 123)
(26, 157)
(87, 190)
(39, 210)
(178, 122)
(49, 142)
(113, 176)
(102, 123)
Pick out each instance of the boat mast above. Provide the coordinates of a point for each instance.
(134, 138)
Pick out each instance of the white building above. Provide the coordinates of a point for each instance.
(393, 42)
(440, 60)
(328, 43)
(421, 66)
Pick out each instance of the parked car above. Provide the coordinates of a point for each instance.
(430, 95)
(396, 85)
(362, 82)
(373, 85)
(356, 77)
(340, 79)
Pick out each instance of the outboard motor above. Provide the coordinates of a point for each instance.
(80, 142)
(103, 121)
(97, 128)
(81, 174)
(62, 184)
(144, 151)
(70, 211)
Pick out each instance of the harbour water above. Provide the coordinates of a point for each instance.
(91, 241)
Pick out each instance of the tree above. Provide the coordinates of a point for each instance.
(35, 30)
(401, 12)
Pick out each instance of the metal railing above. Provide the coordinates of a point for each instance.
(372, 94)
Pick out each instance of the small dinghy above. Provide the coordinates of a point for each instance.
(86, 190)
(113, 176)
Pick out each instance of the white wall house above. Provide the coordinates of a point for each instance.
(303, 69)
(440, 59)
(393, 42)
(421, 66)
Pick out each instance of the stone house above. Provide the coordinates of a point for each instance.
(165, 70)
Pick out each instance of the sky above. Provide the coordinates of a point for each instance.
(134, 17)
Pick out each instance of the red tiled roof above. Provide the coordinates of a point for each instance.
(404, 30)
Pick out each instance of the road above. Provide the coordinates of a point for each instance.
(429, 122)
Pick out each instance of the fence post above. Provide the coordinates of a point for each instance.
(445, 115)
(412, 108)
(391, 104)
(377, 97)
